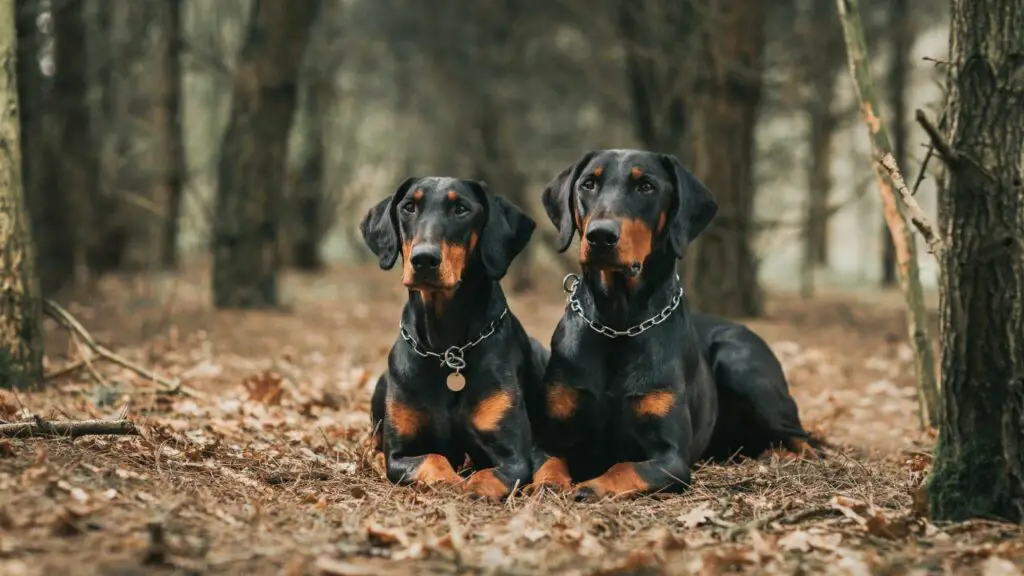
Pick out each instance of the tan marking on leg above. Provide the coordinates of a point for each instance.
(561, 401)
(553, 473)
(486, 484)
(406, 420)
(621, 478)
(655, 404)
(435, 469)
(488, 414)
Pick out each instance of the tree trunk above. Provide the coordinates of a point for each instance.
(723, 269)
(824, 60)
(309, 200)
(901, 33)
(176, 174)
(21, 338)
(252, 164)
(979, 460)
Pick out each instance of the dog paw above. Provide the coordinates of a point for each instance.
(485, 485)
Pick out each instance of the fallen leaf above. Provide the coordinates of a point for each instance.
(9, 405)
(265, 388)
(996, 566)
(386, 537)
(882, 527)
(696, 517)
(332, 567)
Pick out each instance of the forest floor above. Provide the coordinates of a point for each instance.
(266, 470)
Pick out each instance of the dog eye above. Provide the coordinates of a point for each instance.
(588, 184)
(409, 207)
(645, 187)
(461, 209)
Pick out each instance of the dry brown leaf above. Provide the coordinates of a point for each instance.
(893, 529)
(265, 388)
(386, 537)
(332, 567)
(996, 566)
(696, 516)
(9, 405)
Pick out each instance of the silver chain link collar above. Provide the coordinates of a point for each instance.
(571, 283)
(454, 356)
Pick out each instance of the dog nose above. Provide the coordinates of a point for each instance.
(425, 257)
(603, 233)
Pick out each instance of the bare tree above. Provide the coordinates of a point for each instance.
(21, 341)
(252, 164)
(979, 461)
(723, 271)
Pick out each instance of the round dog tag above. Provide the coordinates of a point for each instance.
(456, 381)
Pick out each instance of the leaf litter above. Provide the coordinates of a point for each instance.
(270, 471)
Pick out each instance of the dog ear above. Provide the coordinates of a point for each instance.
(558, 198)
(380, 226)
(506, 232)
(695, 206)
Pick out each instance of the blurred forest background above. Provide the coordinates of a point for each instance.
(136, 160)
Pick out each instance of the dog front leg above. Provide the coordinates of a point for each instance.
(662, 428)
(502, 429)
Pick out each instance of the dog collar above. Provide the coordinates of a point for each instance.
(571, 283)
(454, 357)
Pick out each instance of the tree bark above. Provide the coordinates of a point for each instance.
(309, 200)
(252, 164)
(722, 271)
(21, 339)
(979, 460)
(901, 33)
(77, 168)
(896, 216)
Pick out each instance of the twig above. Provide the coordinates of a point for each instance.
(756, 524)
(65, 370)
(924, 170)
(88, 362)
(69, 429)
(58, 313)
(948, 155)
(808, 513)
(917, 216)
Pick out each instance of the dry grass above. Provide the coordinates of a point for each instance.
(268, 472)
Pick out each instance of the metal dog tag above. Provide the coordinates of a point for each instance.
(456, 381)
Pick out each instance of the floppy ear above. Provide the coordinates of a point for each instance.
(506, 232)
(695, 206)
(558, 200)
(380, 226)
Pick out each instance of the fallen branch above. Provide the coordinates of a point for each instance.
(68, 429)
(917, 215)
(58, 313)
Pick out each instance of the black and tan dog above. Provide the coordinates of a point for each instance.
(459, 371)
(637, 388)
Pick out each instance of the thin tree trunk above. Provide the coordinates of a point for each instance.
(902, 37)
(896, 215)
(723, 270)
(979, 460)
(309, 200)
(251, 169)
(824, 61)
(21, 340)
(77, 166)
(177, 165)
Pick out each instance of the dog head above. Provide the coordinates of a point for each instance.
(443, 227)
(627, 204)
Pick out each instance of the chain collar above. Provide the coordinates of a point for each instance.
(571, 283)
(454, 356)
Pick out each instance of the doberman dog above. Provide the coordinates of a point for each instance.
(638, 389)
(458, 372)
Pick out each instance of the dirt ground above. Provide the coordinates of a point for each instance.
(264, 469)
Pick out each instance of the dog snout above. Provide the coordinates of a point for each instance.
(603, 233)
(425, 257)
